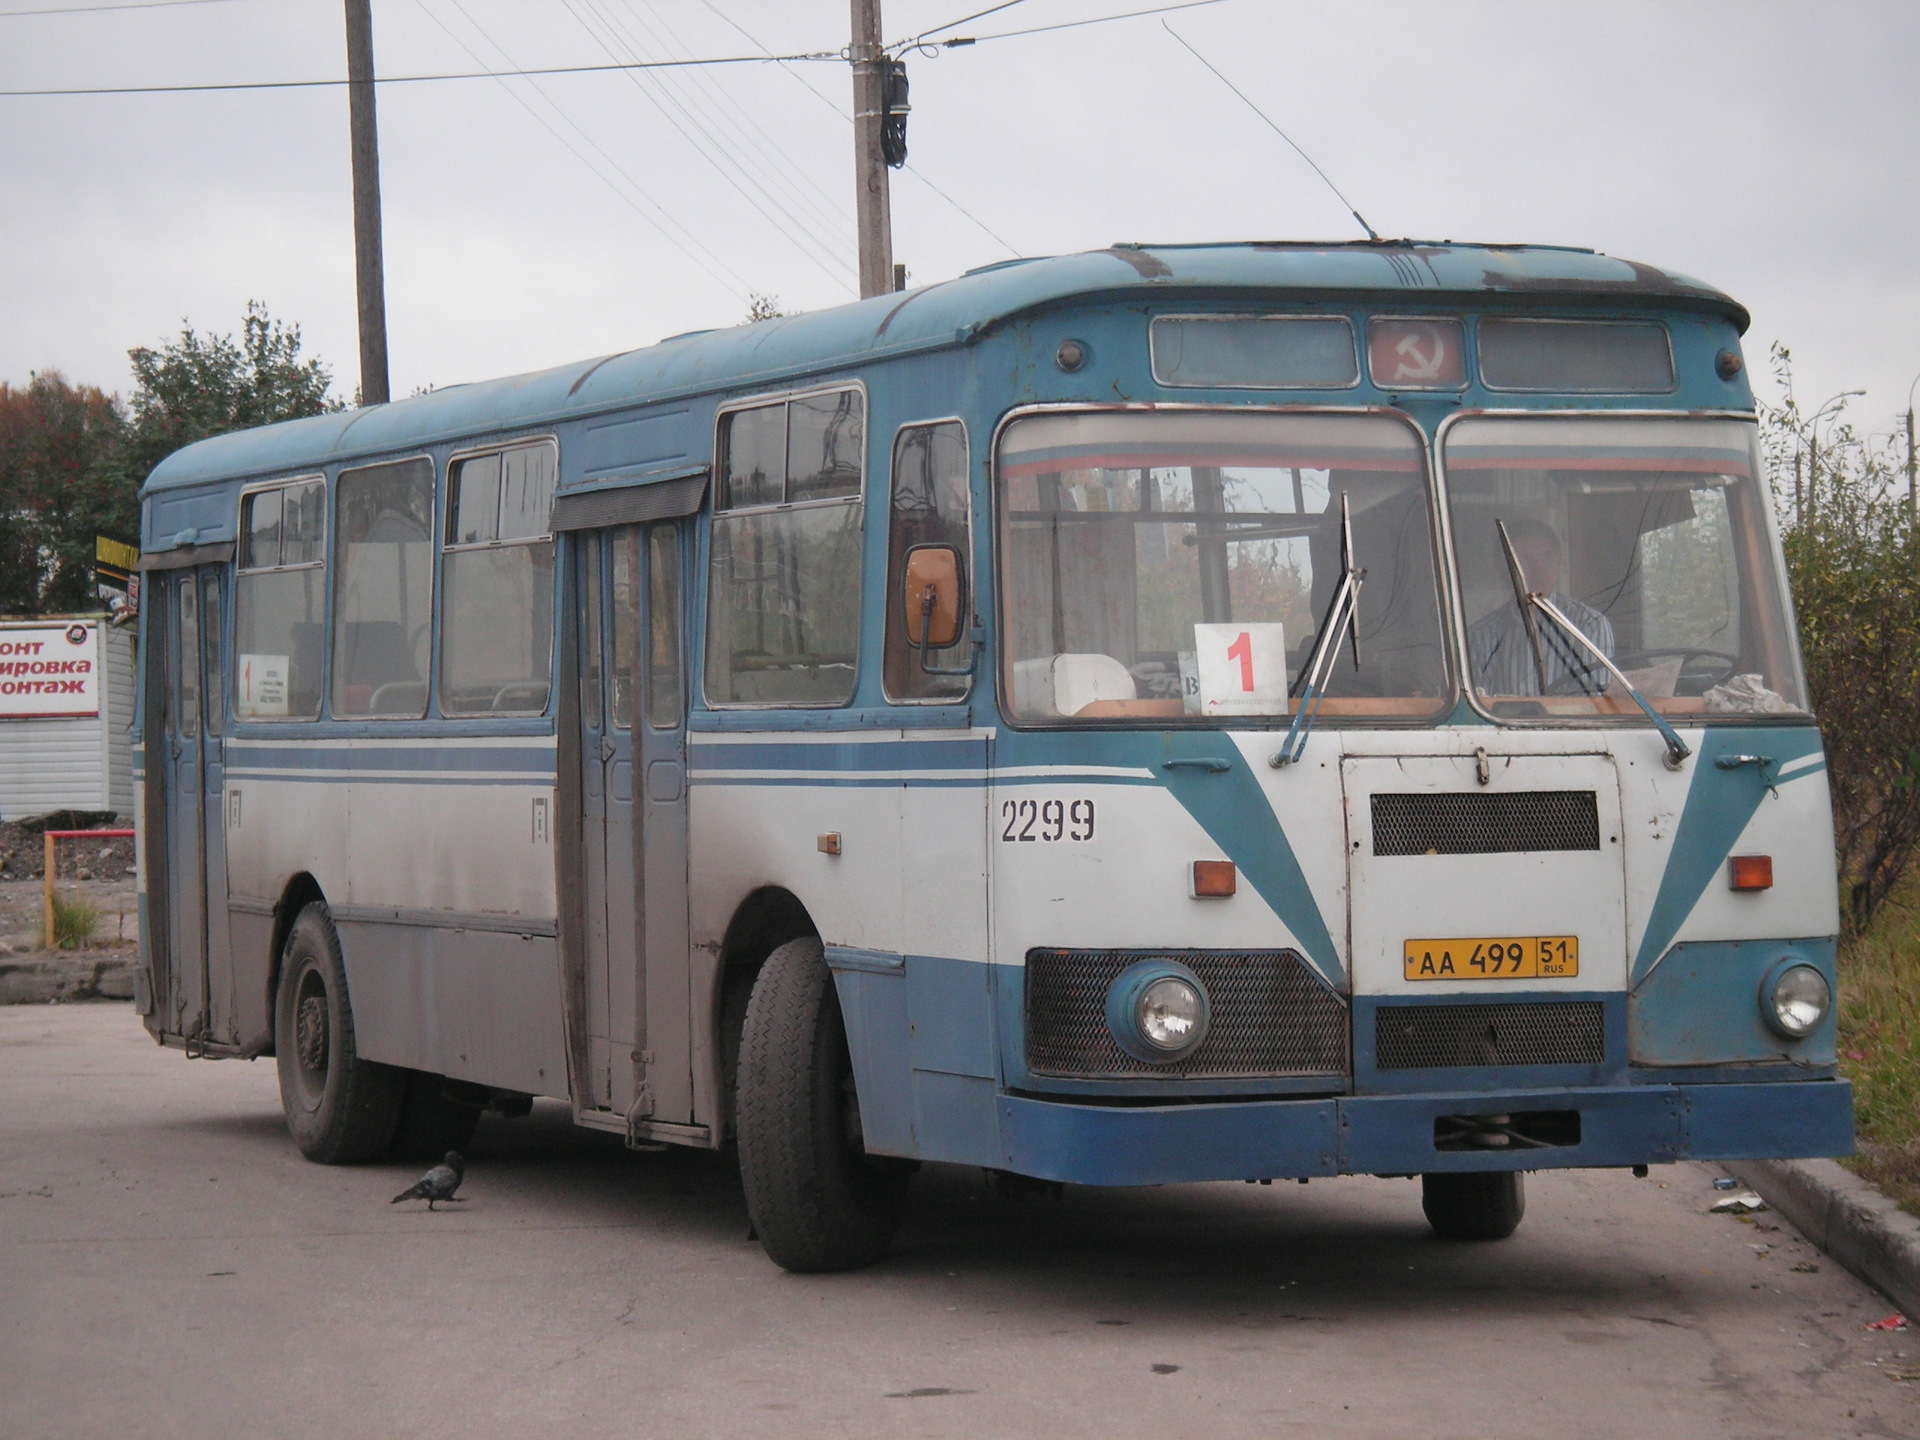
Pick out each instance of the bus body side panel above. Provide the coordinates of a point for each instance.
(435, 858)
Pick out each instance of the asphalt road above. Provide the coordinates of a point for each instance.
(170, 1266)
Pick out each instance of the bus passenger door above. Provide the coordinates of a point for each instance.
(222, 1020)
(597, 752)
(185, 825)
(665, 1036)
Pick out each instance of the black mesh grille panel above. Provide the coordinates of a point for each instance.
(1479, 823)
(1271, 1015)
(1527, 1032)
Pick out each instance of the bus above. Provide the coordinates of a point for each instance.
(1168, 713)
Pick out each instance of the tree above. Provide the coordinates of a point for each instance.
(1853, 556)
(61, 483)
(200, 386)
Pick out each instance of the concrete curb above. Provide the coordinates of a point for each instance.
(1846, 1217)
(79, 975)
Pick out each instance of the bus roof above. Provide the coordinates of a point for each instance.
(941, 315)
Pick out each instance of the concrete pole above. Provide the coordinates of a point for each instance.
(875, 211)
(369, 268)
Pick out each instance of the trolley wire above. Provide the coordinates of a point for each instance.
(834, 106)
(658, 216)
(97, 9)
(820, 252)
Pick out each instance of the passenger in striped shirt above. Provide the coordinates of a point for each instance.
(1497, 643)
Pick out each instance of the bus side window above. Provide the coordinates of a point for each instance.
(783, 596)
(383, 590)
(664, 705)
(496, 644)
(929, 508)
(212, 680)
(279, 598)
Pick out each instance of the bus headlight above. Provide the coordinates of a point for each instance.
(1794, 999)
(1158, 1011)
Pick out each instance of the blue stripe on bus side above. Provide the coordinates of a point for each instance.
(428, 755)
(1719, 805)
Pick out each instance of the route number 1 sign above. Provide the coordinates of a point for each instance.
(1243, 668)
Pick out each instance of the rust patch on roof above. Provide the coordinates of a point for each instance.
(1150, 267)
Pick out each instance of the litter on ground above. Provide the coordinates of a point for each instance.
(1745, 1203)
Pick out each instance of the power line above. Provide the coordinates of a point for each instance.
(951, 24)
(910, 167)
(785, 171)
(1351, 210)
(424, 79)
(1064, 24)
(822, 253)
(96, 9)
(690, 246)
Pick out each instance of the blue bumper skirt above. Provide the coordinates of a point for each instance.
(1394, 1134)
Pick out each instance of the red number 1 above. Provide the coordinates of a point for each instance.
(1242, 650)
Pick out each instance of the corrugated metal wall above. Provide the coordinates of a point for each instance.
(84, 764)
(117, 652)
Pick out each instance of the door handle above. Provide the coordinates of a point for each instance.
(606, 748)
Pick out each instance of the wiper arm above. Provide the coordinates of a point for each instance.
(1341, 622)
(1532, 600)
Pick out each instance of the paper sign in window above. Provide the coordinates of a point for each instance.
(260, 685)
(1243, 668)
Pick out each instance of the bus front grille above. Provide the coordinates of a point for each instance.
(1483, 823)
(1524, 1032)
(1272, 1015)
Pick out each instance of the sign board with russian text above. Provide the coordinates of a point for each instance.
(49, 670)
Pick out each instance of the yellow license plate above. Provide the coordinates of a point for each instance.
(1521, 957)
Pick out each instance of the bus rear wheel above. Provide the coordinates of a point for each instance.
(816, 1198)
(1486, 1205)
(341, 1110)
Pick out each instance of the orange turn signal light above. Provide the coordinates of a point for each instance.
(1214, 879)
(1750, 872)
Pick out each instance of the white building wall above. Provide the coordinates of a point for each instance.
(74, 764)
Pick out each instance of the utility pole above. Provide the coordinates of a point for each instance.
(875, 211)
(369, 269)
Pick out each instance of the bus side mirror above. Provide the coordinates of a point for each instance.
(934, 598)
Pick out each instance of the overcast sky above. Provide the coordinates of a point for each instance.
(1770, 149)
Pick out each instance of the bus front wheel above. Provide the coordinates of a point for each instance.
(816, 1198)
(1486, 1205)
(340, 1109)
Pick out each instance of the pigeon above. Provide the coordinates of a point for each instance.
(439, 1183)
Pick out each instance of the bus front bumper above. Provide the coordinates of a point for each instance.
(1405, 1134)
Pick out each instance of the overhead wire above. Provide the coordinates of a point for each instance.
(661, 219)
(514, 72)
(832, 105)
(1058, 25)
(97, 9)
(1271, 125)
(789, 173)
(822, 253)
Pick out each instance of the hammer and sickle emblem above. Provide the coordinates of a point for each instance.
(1417, 361)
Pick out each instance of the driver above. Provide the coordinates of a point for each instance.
(1497, 643)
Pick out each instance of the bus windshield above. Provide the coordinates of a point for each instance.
(1176, 564)
(1651, 536)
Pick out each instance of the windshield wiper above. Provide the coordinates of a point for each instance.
(1531, 600)
(1341, 622)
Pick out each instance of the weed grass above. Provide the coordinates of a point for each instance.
(1880, 1044)
(74, 922)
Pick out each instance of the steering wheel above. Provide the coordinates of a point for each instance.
(1719, 668)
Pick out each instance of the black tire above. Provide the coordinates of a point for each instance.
(1485, 1205)
(817, 1200)
(341, 1110)
(431, 1123)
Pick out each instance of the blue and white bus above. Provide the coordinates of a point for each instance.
(1169, 713)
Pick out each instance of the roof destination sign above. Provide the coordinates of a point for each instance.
(49, 670)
